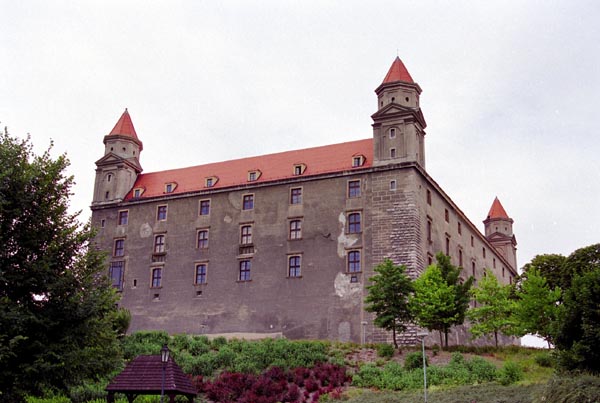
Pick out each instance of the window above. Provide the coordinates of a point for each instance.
(392, 153)
(170, 187)
(137, 192)
(156, 277)
(245, 266)
(202, 238)
(299, 169)
(296, 196)
(159, 244)
(446, 215)
(200, 277)
(253, 175)
(393, 185)
(459, 228)
(296, 229)
(429, 197)
(429, 225)
(354, 223)
(115, 272)
(483, 252)
(246, 235)
(392, 133)
(106, 195)
(294, 266)
(429, 259)
(354, 188)
(123, 217)
(460, 257)
(119, 247)
(447, 245)
(248, 202)
(472, 241)
(494, 263)
(358, 160)
(473, 269)
(108, 177)
(204, 207)
(209, 182)
(161, 213)
(502, 271)
(354, 261)
(102, 223)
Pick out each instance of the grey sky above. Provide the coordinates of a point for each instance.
(511, 91)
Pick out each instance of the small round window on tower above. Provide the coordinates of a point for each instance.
(393, 99)
(406, 99)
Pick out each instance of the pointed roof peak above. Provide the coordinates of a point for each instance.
(497, 210)
(124, 127)
(397, 72)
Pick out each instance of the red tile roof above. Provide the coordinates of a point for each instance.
(397, 72)
(124, 127)
(497, 211)
(273, 167)
(144, 374)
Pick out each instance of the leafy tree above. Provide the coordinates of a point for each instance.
(550, 266)
(440, 300)
(388, 297)
(493, 313)
(581, 261)
(578, 334)
(57, 313)
(536, 307)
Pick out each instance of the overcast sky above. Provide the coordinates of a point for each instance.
(511, 91)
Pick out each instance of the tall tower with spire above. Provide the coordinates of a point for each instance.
(118, 169)
(499, 232)
(398, 124)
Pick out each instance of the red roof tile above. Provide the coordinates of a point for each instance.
(144, 374)
(273, 167)
(497, 211)
(397, 72)
(124, 127)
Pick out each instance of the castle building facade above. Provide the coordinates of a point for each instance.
(284, 244)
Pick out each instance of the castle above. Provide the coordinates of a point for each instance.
(284, 244)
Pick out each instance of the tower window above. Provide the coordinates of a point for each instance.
(460, 257)
(483, 252)
(108, 177)
(429, 197)
(392, 133)
(106, 195)
(392, 153)
(459, 228)
(472, 241)
(123, 217)
(393, 99)
(393, 185)
(161, 213)
(447, 245)
(159, 244)
(115, 272)
(446, 215)
(429, 225)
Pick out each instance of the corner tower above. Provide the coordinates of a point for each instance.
(499, 231)
(398, 124)
(118, 169)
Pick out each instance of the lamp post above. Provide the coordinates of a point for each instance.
(164, 358)
(422, 335)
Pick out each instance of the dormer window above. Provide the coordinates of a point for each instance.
(358, 160)
(170, 187)
(137, 192)
(299, 169)
(253, 175)
(210, 181)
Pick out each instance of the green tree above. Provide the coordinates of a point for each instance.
(581, 261)
(57, 314)
(536, 307)
(494, 307)
(441, 299)
(550, 266)
(388, 297)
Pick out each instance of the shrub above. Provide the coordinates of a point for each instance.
(544, 360)
(414, 360)
(49, 399)
(583, 388)
(481, 370)
(385, 350)
(511, 372)
(88, 392)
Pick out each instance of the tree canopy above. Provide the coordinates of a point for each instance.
(440, 300)
(492, 315)
(388, 297)
(57, 316)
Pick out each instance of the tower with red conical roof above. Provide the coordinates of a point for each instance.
(398, 124)
(118, 169)
(499, 232)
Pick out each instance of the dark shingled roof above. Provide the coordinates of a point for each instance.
(143, 375)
